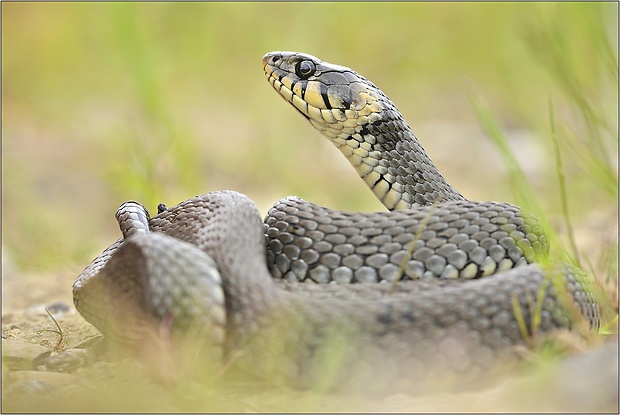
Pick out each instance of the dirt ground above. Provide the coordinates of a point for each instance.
(43, 373)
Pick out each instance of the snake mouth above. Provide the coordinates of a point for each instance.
(279, 86)
(304, 115)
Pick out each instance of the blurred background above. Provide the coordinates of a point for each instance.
(159, 102)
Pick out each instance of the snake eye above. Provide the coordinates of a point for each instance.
(305, 69)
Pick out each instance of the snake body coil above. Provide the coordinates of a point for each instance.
(202, 264)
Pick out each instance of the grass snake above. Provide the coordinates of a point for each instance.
(437, 284)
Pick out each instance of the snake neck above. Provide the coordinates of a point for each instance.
(389, 158)
(380, 145)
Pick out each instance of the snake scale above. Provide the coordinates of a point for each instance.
(437, 284)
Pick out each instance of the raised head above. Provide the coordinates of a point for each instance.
(336, 100)
(359, 119)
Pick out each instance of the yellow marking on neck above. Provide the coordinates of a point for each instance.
(391, 199)
(354, 159)
(381, 189)
(371, 161)
(360, 151)
(350, 123)
(362, 119)
(363, 170)
(366, 145)
(371, 178)
(353, 144)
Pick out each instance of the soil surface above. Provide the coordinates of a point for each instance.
(44, 372)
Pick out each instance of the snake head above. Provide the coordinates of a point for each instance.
(364, 124)
(335, 99)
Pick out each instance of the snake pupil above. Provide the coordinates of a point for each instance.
(305, 69)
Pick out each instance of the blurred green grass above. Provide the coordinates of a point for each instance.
(158, 102)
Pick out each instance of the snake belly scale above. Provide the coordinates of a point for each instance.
(210, 261)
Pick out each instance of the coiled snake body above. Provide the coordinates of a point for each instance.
(201, 265)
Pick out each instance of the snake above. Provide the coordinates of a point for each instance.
(436, 284)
